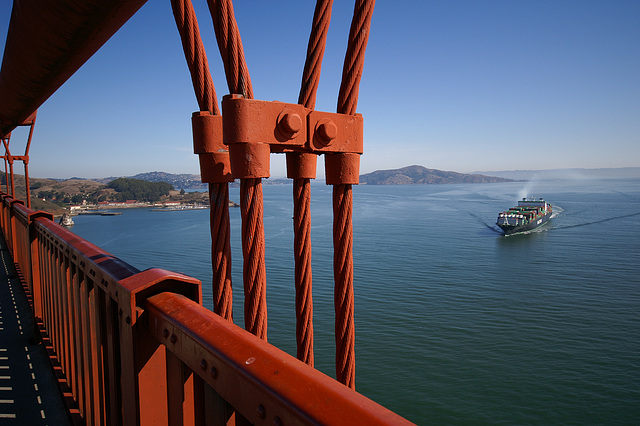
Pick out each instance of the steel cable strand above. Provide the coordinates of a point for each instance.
(253, 248)
(221, 250)
(354, 58)
(343, 204)
(195, 55)
(315, 53)
(254, 272)
(230, 46)
(343, 279)
(302, 191)
(197, 62)
(303, 276)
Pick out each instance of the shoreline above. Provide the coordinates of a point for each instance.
(76, 210)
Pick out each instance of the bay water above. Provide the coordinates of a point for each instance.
(455, 323)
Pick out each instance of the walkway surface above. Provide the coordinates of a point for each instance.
(28, 388)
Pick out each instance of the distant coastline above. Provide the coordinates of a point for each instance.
(415, 174)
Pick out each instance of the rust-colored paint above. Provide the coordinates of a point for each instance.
(213, 154)
(9, 158)
(253, 129)
(250, 160)
(290, 127)
(89, 307)
(301, 165)
(342, 169)
(259, 380)
(46, 43)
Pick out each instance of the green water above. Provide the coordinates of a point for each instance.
(455, 323)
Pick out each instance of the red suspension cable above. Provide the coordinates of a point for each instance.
(251, 204)
(230, 46)
(218, 191)
(354, 59)
(303, 276)
(221, 250)
(315, 53)
(343, 291)
(195, 55)
(343, 201)
(302, 187)
(255, 301)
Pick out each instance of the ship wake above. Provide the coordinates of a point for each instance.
(493, 228)
(598, 221)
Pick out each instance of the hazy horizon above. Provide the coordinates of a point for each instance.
(621, 172)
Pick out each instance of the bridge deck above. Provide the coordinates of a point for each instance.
(29, 392)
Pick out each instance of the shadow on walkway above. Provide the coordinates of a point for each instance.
(29, 392)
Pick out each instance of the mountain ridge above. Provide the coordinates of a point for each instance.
(416, 175)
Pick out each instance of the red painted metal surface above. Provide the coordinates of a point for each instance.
(207, 143)
(254, 270)
(230, 47)
(27, 251)
(342, 172)
(303, 276)
(221, 249)
(195, 55)
(47, 42)
(301, 167)
(264, 384)
(9, 158)
(213, 156)
(250, 170)
(285, 128)
(88, 303)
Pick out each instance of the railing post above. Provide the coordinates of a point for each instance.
(144, 378)
(34, 264)
(2, 208)
(10, 225)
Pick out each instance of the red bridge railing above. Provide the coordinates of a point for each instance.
(138, 347)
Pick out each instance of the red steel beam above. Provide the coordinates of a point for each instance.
(265, 384)
(47, 42)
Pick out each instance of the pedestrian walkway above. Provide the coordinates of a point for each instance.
(29, 392)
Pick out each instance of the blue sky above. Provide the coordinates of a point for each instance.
(452, 85)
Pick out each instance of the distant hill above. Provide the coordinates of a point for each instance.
(422, 175)
(55, 195)
(188, 181)
(43, 191)
(179, 181)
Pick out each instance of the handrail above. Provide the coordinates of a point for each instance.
(138, 347)
(259, 380)
(90, 307)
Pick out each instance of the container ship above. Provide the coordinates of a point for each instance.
(527, 215)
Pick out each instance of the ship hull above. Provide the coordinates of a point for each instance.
(509, 230)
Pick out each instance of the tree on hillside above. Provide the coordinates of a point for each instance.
(136, 189)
